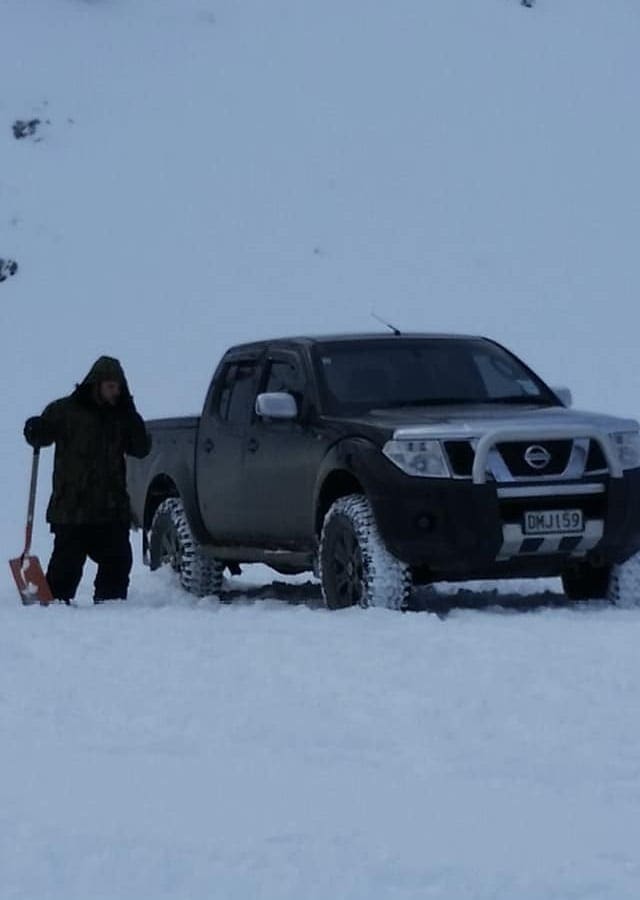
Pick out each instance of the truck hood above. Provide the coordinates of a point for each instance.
(473, 420)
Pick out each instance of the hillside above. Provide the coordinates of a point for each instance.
(203, 172)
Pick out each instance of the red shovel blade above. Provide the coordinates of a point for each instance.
(31, 580)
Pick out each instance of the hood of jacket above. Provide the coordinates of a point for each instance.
(105, 368)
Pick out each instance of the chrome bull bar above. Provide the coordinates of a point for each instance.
(514, 540)
(499, 435)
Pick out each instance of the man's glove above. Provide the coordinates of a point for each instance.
(127, 406)
(35, 432)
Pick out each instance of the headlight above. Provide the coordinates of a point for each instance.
(423, 458)
(627, 446)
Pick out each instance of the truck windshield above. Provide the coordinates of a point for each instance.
(359, 376)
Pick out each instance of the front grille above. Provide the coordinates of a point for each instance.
(514, 452)
(595, 458)
(461, 456)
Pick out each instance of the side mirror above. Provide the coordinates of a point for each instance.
(276, 406)
(564, 395)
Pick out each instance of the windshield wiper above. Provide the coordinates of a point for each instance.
(426, 401)
(460, 401)
(523, 399)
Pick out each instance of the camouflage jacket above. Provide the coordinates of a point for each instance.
(92, 439)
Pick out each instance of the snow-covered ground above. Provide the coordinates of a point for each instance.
(207, 171)
(270, 749)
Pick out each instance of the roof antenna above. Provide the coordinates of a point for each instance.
(388, 325)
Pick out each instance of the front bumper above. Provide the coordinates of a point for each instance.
(450, 528)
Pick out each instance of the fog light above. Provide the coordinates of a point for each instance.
(425, 522)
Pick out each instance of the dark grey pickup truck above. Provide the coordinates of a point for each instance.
(380, 461)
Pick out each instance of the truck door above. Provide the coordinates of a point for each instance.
(222, 438)
(282, 460)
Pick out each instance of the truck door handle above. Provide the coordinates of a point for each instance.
(208, 445)
(253, 445)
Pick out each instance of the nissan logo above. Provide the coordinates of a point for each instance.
(537, 457)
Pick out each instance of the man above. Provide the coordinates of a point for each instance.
(89, 514)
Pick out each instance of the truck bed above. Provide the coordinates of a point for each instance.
(173, 438)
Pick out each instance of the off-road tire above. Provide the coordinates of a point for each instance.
(624, 587)
(355, 566)
(172, 543)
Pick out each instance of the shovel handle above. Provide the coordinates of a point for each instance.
(32, 501)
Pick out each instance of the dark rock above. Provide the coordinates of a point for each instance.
(23, 128)
(8, 267)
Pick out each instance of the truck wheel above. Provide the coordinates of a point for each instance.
(172, 543)
(355, 565)
(624, 588)
(586, 582)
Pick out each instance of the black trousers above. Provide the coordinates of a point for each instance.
(107, 545)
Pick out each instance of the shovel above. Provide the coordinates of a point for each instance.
(27, 571)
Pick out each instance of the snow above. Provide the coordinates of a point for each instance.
(208, 172)
(179, 748)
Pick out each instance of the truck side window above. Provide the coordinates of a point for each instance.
(222, 406)
(285, 377)
(237, 393)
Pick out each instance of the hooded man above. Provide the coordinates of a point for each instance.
(93, 429)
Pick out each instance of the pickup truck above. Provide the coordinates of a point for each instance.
(384, 461)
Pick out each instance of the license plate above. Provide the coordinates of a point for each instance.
(554, 521)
